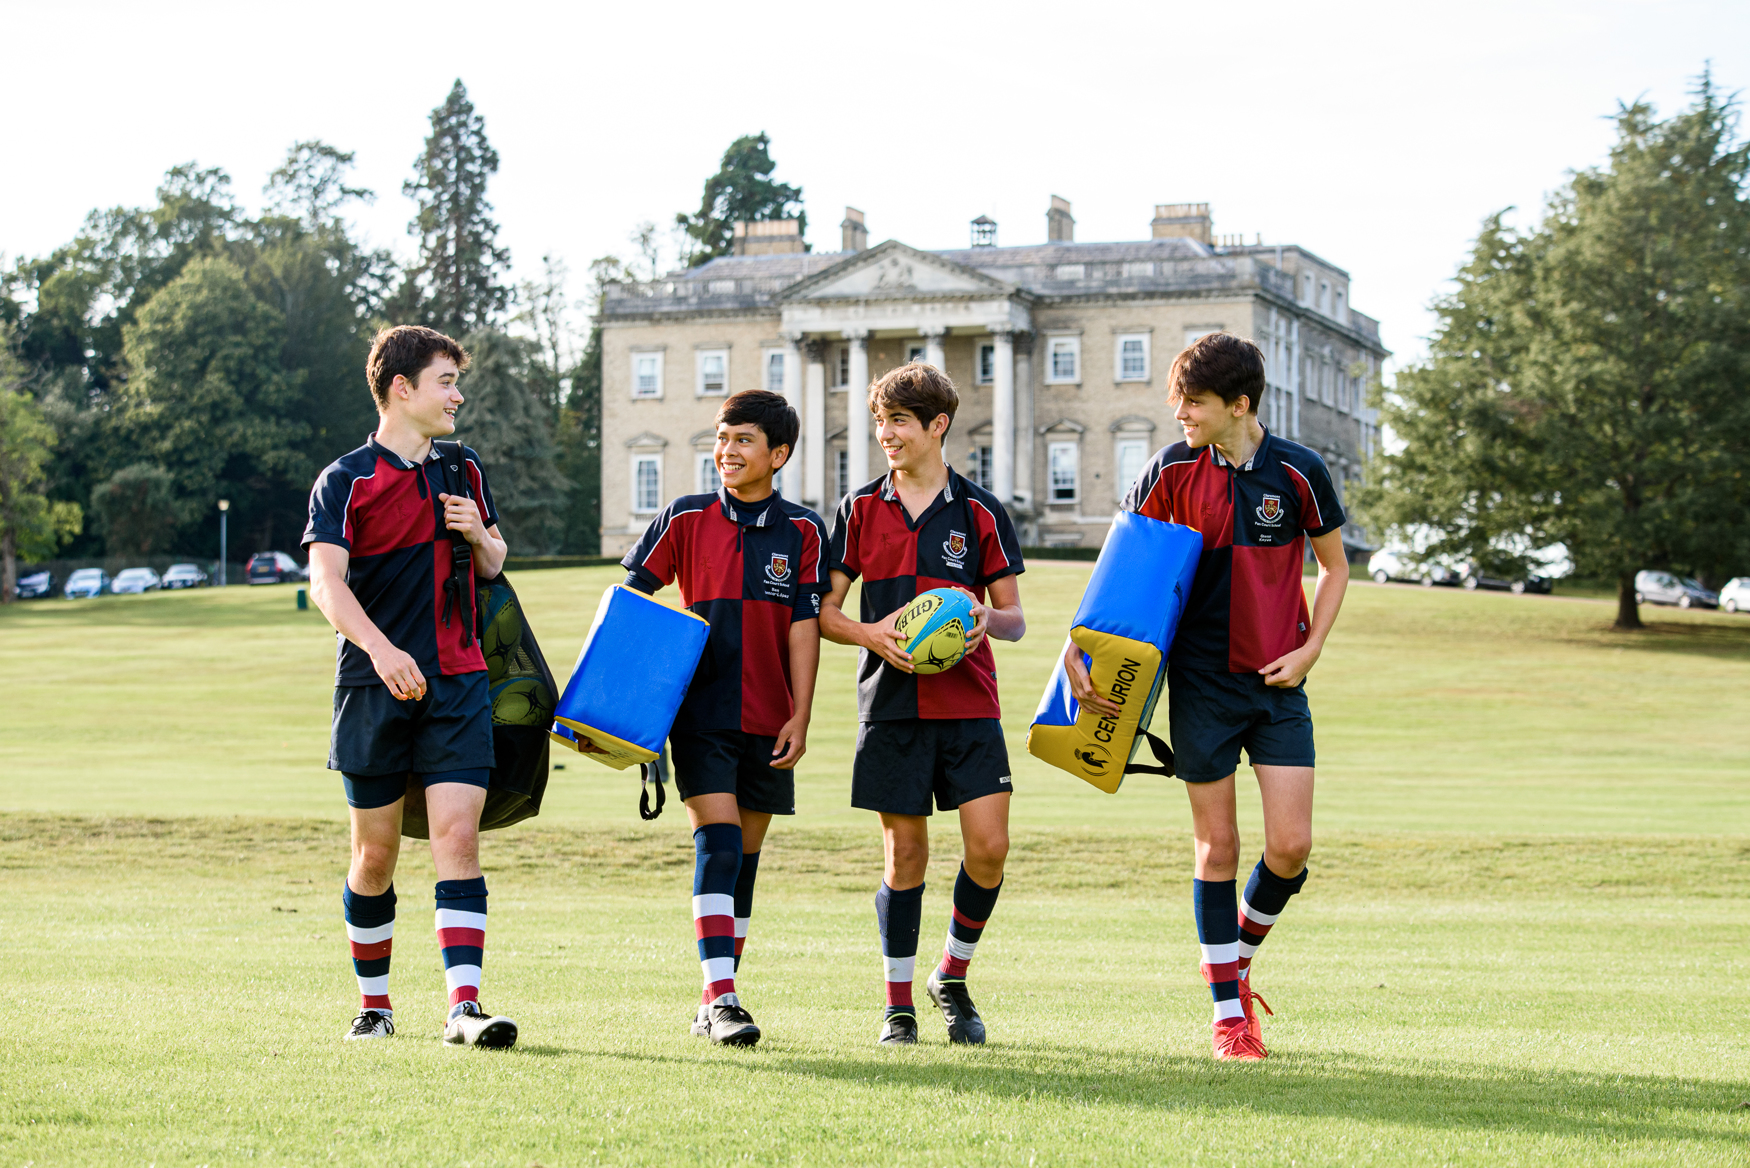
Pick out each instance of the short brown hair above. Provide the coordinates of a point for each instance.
(922, 390)
(1230, 367)
(404, 351)
(774, 415)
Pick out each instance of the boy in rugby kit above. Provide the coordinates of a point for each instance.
(751, 563)
(918, 527)
(410, 686)
(1236, 671)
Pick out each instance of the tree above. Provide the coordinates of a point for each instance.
(1585, 383)
(310, 185)
(208, 399)
(31, 524)
(136, 510)
(742, 189)
(457, 285)
(543, 315)
(508, 425)
(579, 437)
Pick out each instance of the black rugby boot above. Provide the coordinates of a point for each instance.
(964, 1025)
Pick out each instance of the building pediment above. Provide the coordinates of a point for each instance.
(646, 441)
(894, 270)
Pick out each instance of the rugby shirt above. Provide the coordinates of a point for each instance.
(751, 570)
(1247, 605)
(385, 512)
(964, 539)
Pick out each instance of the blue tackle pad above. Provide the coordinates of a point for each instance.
(1124, 627)
(627, 686)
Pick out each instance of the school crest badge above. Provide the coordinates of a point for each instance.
(1269, 512)
(779, 569)
(956, 545)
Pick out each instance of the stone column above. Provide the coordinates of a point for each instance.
(1294, 380)
(1025, 438)
(814, 423)
(857, 409)
(792, 472)
(935, 351)
(1002, 423)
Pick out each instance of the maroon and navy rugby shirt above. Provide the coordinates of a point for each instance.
(964, 539)
(750, 570)
(385, 512)
(1247, 605)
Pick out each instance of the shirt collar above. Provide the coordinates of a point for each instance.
(889, 494)
(747, 514)
(1255, 460)
(385, 452)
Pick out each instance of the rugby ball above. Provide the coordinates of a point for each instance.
(933, 629)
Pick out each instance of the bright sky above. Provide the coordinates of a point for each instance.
(1377, 135)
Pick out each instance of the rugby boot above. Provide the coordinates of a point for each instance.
(469, 1025)
(371, 1024)
(727, 1024)
(702, 1022)
(898, 1030)
(1230, 1039)
(965, 1027)
(1247, 996)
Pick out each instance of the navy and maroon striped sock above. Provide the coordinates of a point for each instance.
(750, 869)
(1218, 934)
(461, 930)
(717, 861)
(1266, 896)
(900, 915)
(973, 904)
(370, 932)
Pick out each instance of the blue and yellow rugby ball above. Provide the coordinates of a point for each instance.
(934, 628)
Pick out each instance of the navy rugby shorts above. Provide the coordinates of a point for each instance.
(1212, 715)
(731, 762)
(900, 764)
(443, 737)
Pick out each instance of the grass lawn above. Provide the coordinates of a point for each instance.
(1523, 942)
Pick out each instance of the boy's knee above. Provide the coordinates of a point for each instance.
(1220, 852)
(373, 866)
(986, 854)
(908, 860)
(1287, 858)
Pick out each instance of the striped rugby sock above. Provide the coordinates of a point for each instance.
(750, 867)
(715, 868)
(370, 932)
(900, 915)
(1218, 934)
(461, 930)
(973, 904)
(1266, 896)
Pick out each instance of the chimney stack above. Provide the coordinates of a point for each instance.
(984, 231)
(1183, 220)
(1060, 225)
(854, 235)
(766, 237)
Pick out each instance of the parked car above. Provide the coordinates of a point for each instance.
(1386, 565)
(1473, 578)
(1666, 588)
(86, 583)
(274, 568)
(136, 580)
(34, 586)
(185, 576)
(1735, 596)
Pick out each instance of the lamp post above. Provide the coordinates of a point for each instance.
(224, 506)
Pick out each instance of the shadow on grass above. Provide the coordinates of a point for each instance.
(1468, 1097)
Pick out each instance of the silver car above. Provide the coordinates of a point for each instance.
(1735, 596)
(1386, 565)
(86, 583)
(1669, 588)
(185, 576)
(136, 580)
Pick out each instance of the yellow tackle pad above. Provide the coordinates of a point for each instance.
(1095, 747)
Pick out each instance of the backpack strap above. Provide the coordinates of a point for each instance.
(1163, 755)
(458, 596)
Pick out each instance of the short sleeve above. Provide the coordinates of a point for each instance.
(999, 548)
(1142, 499)
(655, 559)
(845, 556)
(812, 578)
(328, 505)
(481, 488)
(1321, 512)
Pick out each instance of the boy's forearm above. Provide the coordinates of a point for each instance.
(1328, 592)
(489, 556)
(838, 628)
(336, 602)
(804, 665)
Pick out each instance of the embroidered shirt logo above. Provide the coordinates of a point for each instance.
(955, 549)
(778, 570)
(1270, 511)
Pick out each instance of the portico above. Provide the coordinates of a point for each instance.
(898, 294)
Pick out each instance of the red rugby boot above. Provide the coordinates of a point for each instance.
(1230, 1039)
(1247, 996)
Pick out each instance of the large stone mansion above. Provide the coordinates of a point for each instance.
(1059, 350)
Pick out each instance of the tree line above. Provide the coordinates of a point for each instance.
(176, 354)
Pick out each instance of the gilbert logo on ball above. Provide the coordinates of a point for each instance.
(934, 628)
